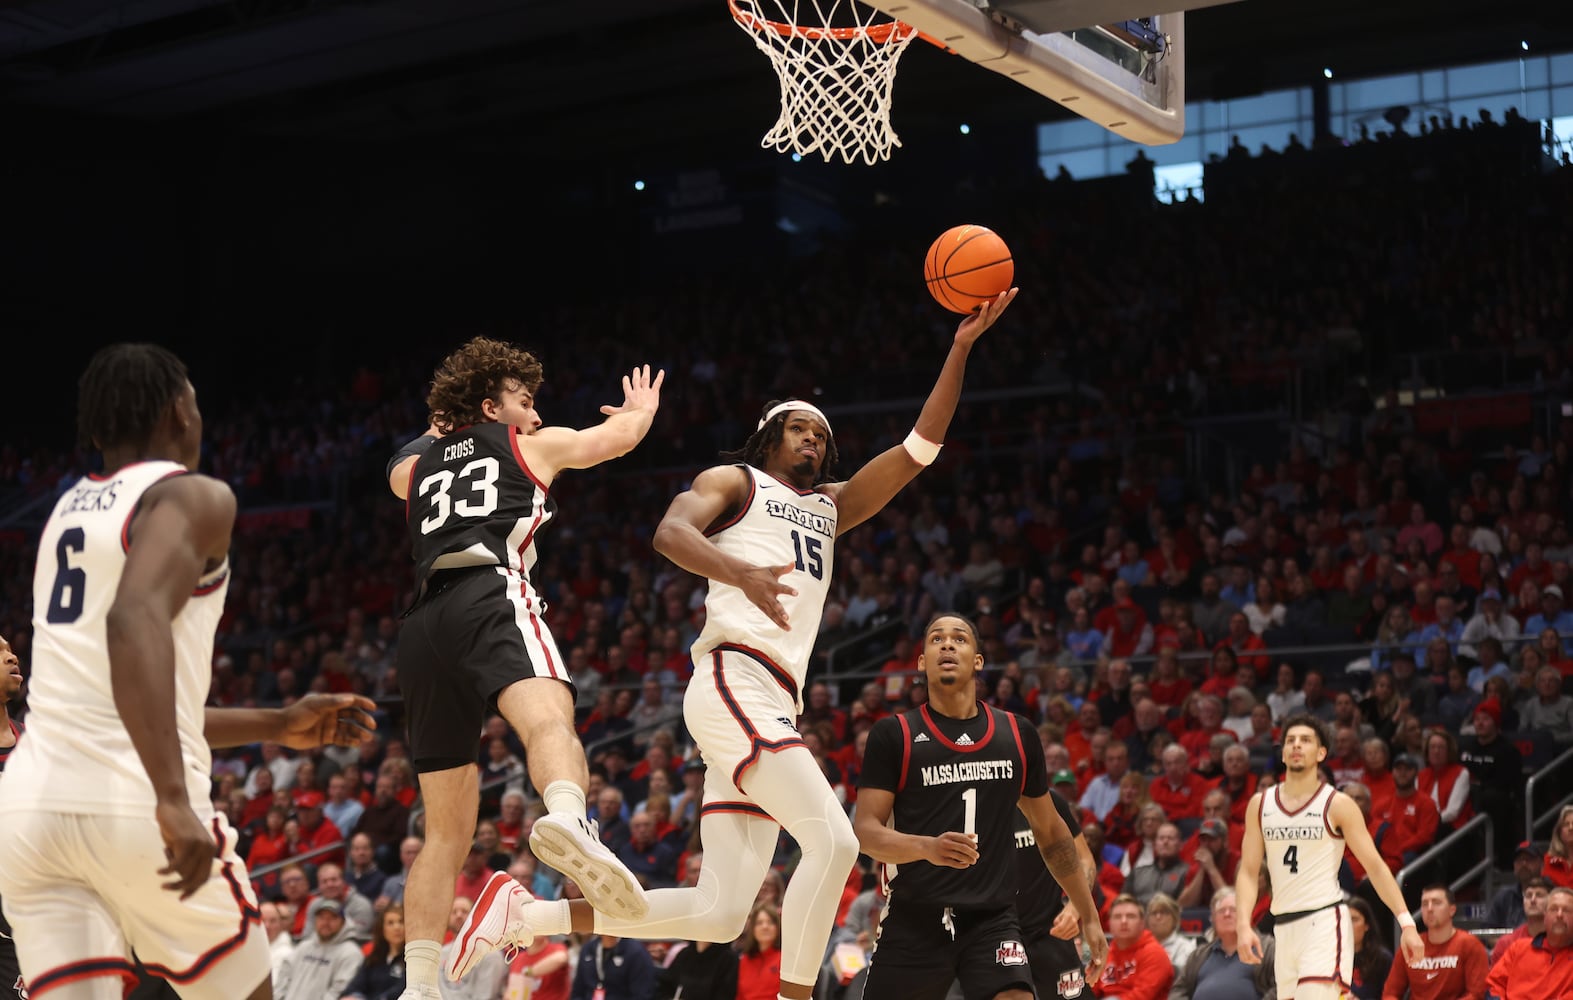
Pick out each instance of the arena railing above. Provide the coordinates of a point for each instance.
(1482, 870)
(1557, 774)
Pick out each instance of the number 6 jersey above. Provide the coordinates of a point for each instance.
(77, 756)
(473, 501)
(1302, 852)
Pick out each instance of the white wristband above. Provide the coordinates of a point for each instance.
(922, 450)
(1405, 920)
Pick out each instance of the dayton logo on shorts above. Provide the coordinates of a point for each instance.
(20, 987)
(1010, 953)
(1071, 984)
(788, 723)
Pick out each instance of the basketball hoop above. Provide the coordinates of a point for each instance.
(836, 67)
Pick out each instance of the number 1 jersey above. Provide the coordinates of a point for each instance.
(963, 775)
(473, 501)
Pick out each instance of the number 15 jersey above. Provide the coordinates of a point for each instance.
(1302, 852)
(778, 524)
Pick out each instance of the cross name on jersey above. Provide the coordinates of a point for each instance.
(969, 770)
(1310, 831)
(1437, 962)
(817, 523)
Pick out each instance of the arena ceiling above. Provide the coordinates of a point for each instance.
(579, 80)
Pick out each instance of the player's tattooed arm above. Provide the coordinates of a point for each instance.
(1062, 860)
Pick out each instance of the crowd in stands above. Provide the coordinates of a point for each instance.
(1405, 582)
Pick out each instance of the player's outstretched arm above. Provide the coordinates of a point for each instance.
(680, 537)
(402, 465)
(182, 526)
(1069, 869)
(553, 449)
(1246, 880)
(884, 843)
(1350, 823)
(313, 721)
(873, 486)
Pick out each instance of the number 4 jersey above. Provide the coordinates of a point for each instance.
(1302, 852)
(77, 756)
(474, 502)
(777, 525)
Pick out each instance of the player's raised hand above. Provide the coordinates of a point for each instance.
(973, 326)
(1249, 947)
(1097, 951)
(319, 720)
(188, 847)
(953, 849)
(763, 586)
(640, 391)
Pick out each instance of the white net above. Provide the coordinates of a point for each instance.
(836, 61)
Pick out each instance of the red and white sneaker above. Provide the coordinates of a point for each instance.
(496, 921)
(573, 847)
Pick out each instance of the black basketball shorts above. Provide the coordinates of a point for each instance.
(917, 957)
(472, 636)
(1057, 969)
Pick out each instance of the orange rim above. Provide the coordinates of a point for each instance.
(880, 34)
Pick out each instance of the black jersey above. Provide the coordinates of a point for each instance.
(1040, 896)
(956, 774)
(473, 502)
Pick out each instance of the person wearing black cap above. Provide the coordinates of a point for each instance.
(1214, 866)
(325, 960)
(1507, 903)
(1496, 770)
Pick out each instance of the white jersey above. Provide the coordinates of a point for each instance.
(77, 756)
(777, 525)
(1303, 853)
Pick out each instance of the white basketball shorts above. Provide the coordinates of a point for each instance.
(1315, 955)
(83, 893)
(740, 704)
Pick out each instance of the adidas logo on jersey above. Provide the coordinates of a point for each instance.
(964, 741)
(921, 738)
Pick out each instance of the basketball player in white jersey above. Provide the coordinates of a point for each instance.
(763, 532)
(113, 846)
(1301, 827)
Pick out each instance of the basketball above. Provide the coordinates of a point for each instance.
(967, 266)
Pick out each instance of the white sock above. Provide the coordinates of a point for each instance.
(420, 963)
(564, 797)
(548, 917)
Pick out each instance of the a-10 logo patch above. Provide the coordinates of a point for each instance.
(1071, 984)
(1010, 953)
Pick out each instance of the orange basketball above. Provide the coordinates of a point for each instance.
(967, 266)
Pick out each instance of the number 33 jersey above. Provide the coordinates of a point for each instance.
(777, 525)
(474, 502)
(1302, 851)
(77, 756)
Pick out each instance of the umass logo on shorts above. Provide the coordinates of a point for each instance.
(1071, 984)
(1010, 953)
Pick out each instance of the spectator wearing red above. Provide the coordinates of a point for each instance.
(1455, 962)
(1247, 645)
(1178, 789)
(1462, 556)
(1534, 567)
(1223, 672)
(1541, 966)
(1209, 723)
(317, 830)
(1409, 824)
(1378, 776)
(1445, 780)
(817, 708)
(1215, 805)
(1346, 762)
(1213, 865)
(870, 706)
(1139, 968)
(1129, 635)
(1558, 863)
(1167, 684)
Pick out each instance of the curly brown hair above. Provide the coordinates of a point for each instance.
(480, 370)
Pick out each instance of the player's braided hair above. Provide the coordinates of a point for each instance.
(765, 440)
(476, 372)
(124, 392)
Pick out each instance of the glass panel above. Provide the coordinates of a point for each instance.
(1383, 92)
(1179, 176)
(1082, 165)
(1274, 136)
(1078, 133)
(1433, 86)
(1491, 78)
(1188, 148)
(1562, 101)
(1274, 107)
(1562, 68)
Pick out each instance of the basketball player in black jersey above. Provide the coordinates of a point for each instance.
(1048, 926)
(936, 806)
(11, 984)
(475, 487)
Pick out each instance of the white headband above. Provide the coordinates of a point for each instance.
(797, 404)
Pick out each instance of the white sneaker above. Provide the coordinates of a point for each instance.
(493, 923)
(573, 847)
(420, 993)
